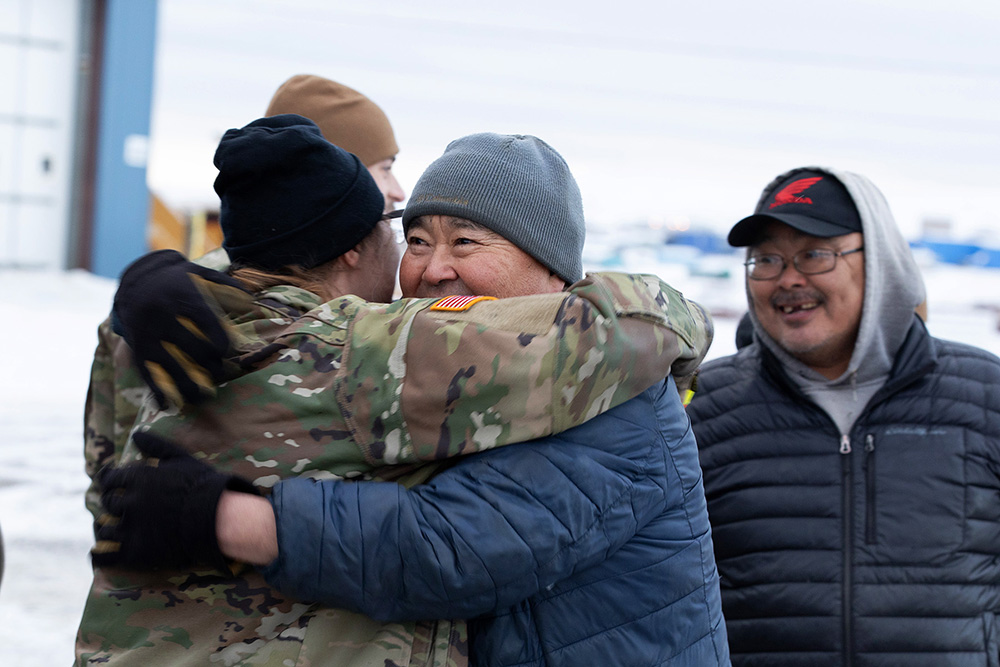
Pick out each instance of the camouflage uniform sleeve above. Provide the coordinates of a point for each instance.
(98, 416)
(418, 384)
(113, 399)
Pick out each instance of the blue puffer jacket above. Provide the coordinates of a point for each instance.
(588, 548)
(882, 549)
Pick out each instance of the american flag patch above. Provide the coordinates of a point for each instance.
(459, 303)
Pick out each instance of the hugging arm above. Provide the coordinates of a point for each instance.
(176, 336)
(604, 340)
(490, 531)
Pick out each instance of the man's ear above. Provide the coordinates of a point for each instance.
(555, 283)
(351, 258)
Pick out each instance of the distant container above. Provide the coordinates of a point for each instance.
(76, 79)
(707, 242)
(39, 63)
(962, 254)
(985, 257)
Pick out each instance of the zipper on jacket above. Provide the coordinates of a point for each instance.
(869, 489)
(846, 601)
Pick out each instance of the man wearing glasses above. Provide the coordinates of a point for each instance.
(851, 460)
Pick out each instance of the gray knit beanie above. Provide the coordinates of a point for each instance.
(515, 185)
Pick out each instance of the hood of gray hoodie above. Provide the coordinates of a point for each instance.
(893, 289)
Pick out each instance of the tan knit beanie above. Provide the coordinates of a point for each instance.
(346, 118)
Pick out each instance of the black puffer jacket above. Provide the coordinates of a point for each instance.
(879, 550)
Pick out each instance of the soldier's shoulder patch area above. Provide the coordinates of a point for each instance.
(533, 314)
(458, 304)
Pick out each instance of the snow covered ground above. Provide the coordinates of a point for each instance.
(48, 340)
(47, 343)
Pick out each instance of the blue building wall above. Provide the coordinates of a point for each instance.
(121, 202)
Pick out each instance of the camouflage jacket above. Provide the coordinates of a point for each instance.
(352, 390)
(115, 394)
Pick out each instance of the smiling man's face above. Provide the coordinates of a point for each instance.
(815, 318)
(446, 255)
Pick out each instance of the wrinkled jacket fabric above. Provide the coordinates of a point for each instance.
(887, 554)
(591, 547)
(348, 389)
(878, 542)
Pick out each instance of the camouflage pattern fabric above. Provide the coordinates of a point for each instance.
(353, 390)
(114, 397)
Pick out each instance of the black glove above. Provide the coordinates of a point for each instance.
(160, 512)
(176, 338)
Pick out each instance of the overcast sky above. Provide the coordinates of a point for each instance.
(665, 111)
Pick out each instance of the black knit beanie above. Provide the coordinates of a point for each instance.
(289, 196)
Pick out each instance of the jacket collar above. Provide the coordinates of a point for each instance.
(917, 357)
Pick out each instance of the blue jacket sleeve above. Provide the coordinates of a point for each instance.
(482, 535)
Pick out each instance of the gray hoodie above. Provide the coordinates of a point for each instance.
(893, 289)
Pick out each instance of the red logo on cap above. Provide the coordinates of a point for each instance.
(790, 193)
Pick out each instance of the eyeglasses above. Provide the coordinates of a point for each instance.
(808, 262)
(393, 218)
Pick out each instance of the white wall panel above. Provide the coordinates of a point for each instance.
(38, 79)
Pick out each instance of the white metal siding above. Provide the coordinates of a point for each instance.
(38, 78)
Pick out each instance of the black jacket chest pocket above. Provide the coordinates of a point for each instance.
(915, 489)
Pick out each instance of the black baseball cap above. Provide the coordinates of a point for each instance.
(813, 202)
